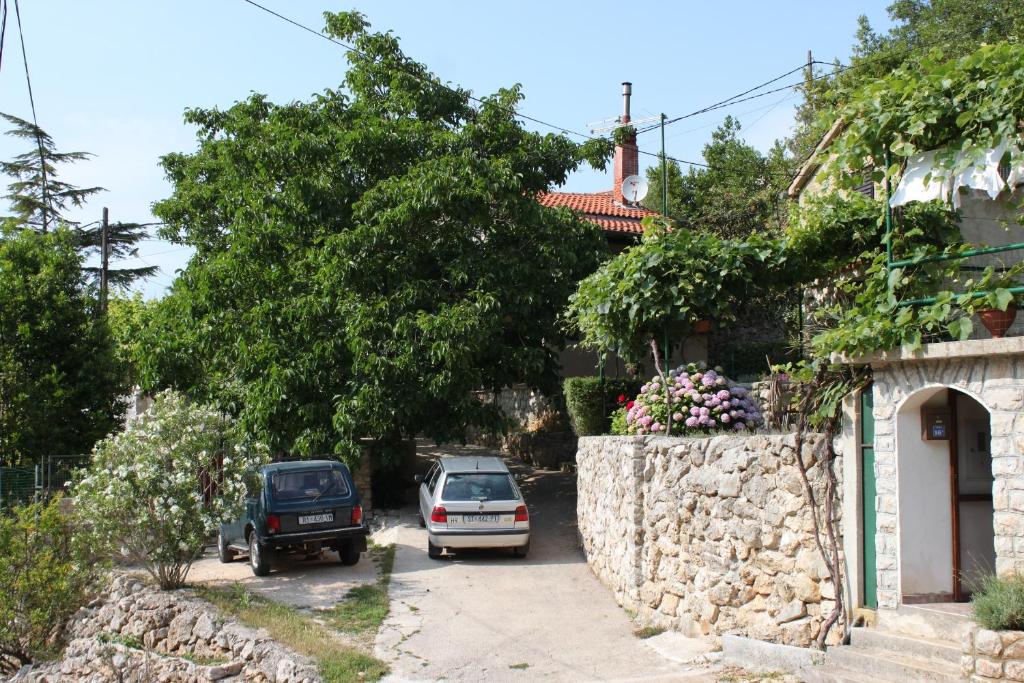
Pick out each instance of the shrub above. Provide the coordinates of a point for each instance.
(589, 401)
(619, 425)
(45, 575)
(702, 400)
(999, 603)
(156, 491)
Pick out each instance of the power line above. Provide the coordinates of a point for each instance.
(839, 68)
(35, 122)
(3, 30)
(513, 111)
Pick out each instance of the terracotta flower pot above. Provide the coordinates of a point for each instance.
(998, 322)
(702, 326)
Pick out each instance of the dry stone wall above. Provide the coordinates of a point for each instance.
(707, 535)
(136, 633)
(993, 656)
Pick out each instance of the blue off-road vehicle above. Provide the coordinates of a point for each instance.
(302, 507)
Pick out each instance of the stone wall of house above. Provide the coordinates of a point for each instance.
(520, 403)
(707, 535)
(993, 656)
(990, 371)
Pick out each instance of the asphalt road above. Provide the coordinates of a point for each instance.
(485, 615)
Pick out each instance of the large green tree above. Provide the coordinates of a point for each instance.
(737, 193)
(365, 259)
(954, 28)
(59, 385)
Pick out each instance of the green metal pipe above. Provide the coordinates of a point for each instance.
(888, 213)
(953, 257)
(974, 295)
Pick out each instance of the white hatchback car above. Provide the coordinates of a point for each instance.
(472, 502)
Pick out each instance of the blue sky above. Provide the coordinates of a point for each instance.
(112, 77)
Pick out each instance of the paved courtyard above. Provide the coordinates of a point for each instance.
(489, 616)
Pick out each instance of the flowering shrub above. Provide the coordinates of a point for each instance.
(703, 400)
(157, 490)
(47, 572)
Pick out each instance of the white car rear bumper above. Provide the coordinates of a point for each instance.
(483, 538)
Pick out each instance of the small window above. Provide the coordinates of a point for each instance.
(867, 188)
(432, 478)
(1004, 170)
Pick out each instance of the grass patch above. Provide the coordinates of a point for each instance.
(365, 608)
(128, 641)
(999, 603)
(297, 631)
(648, 631)
(522, 666)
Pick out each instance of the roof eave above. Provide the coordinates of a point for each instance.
(811, 165)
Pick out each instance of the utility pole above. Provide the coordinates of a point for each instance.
(104, 260)
(810, 65)
(664, 171)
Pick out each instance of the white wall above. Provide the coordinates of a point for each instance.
(925, 518)
(977, 550)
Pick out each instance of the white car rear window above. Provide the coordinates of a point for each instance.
(478, 486)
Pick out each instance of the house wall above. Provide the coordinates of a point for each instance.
(925, 516)
(707, 535)
(991, 371)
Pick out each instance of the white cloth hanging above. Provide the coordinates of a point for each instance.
(982, 175)
(916, 186)
(1016, 176)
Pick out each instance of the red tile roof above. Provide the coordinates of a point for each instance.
(600, 208)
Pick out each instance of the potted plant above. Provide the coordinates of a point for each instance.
(993, 301)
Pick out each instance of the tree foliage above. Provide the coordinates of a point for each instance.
(47, 571)
(672, 279)
(969, 105)
(365, 259)
(40, 202)
(956, 28)
(37, 196)
(739, 192)
(59, 384)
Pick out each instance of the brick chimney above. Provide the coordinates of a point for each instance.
(627, 158)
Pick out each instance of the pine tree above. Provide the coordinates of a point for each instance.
(37, 197)
(39, 201)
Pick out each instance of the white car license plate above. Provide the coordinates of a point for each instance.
(479, 519)
(316, 519)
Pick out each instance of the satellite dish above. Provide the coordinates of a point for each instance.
(634, 188)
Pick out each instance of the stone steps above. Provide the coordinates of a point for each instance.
(924, 648)
(890, 665)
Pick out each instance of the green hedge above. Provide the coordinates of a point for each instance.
(590, 401)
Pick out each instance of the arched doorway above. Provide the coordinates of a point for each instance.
(945, 516)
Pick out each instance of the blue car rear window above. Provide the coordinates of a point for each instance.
(308, 484)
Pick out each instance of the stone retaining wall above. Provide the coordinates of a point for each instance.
(137, 633)
(993, 656)
(707, 535)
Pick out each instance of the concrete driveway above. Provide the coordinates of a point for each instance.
(314, 584)
(489, 616)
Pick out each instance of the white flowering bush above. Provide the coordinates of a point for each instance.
(156, 491)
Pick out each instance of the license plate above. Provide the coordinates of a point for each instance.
(316, 519)
(479, 519)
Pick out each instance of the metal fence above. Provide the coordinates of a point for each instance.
(32, 483)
